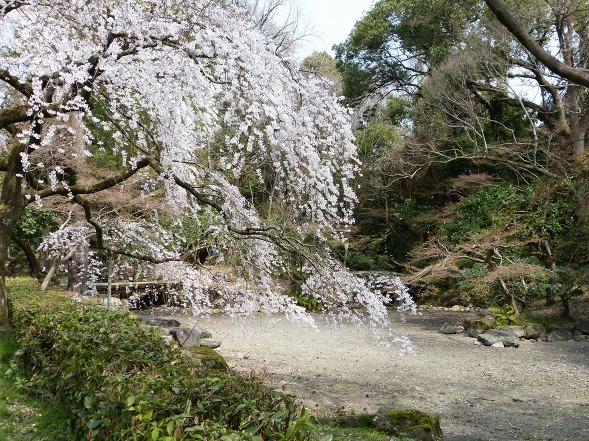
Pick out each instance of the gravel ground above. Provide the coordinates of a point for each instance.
(539, 391)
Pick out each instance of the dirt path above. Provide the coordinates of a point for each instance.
(539, 391)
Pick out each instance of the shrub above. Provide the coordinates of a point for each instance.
(121, 382)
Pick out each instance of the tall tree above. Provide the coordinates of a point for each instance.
(568, 24)
(459, 47)
(181, 97)
(559, 44)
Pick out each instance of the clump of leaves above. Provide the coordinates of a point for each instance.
(121, 382)
(504, 316)
(571, 282)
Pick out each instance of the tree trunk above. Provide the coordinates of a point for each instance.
(34, 265)
(4, 321)
(510, 296)
(50, 273)
(549, 301)
(11, 208)
(575, 98)
(566, 307)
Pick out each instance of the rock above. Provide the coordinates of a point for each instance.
(205, 334)
(210, 342)
(478, 343)
(207, 357)
(410, 422)
(517, 330)
(476, 327)
(499, 344)
(115, 302)
(583, 326)
(560, 334)
(581, 337)
(161, 322)
(451, 329)
(187, 338)
(493, 336)
(455, 308)
(535, 331)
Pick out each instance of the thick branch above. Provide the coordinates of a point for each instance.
(29, 253)
(100, 245)
(13, 115)
(90, 219)
(576, 75)
(24, 88)
(98, 187)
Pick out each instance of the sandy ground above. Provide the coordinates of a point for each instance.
(539, 391)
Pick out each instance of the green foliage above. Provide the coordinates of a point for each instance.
(490, 206)
(23, 417)
(34, 223)
(532, 211)
(120, 382)
(397, 110)
(395, 31)
(505, 316)
(322, 63)
(309, 303)
(377, 138)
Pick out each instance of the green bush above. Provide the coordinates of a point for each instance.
(123, 383)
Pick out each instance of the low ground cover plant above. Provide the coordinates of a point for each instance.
(120, 382)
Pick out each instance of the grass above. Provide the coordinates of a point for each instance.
(24, 417)
(333, 432)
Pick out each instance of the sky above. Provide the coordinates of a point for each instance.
(332, 21)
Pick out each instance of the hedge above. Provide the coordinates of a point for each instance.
(121, 382)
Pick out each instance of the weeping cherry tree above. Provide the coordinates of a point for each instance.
(183, 97)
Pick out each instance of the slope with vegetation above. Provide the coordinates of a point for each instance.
(473, 136)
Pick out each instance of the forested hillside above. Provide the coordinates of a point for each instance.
(473, 137)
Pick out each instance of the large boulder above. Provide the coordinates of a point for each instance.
(583, 326)
(212, 343)
(207, 357)
(492, 336)
(517, 330)
(476, 327)
(535, 331)
(410, 422)
(561, 334)
(161, 322)
(451, 329)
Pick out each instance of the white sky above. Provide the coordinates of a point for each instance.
(332, 21)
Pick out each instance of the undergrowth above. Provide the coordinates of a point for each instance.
(23, 417)
(119, 382)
